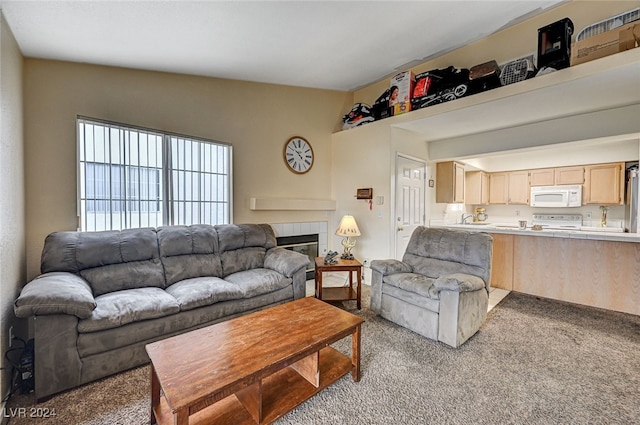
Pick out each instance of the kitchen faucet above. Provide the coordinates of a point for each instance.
(463, 218)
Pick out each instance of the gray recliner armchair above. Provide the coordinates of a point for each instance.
(440, 289)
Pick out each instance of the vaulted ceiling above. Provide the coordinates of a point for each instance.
(341, 45)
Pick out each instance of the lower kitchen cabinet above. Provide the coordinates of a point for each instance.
(597, 273)
(502, 263)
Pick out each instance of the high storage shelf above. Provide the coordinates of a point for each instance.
(601, 84)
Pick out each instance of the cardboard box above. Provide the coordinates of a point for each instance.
(401, 108)
(605, 44)
(401, 90)
(630, 38)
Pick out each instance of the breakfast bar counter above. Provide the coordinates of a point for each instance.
(510, 229)
(598, 269)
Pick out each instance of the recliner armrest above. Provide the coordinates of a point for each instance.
(56, 293)
(459, 282)
(285, 261)
(387, 267)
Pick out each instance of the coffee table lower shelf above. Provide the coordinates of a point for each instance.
(281, 393)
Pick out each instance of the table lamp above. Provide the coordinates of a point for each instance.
(348, 229)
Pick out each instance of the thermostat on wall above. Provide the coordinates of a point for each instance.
(365, 193)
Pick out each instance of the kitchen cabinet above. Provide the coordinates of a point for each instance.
(519, 188)
(569, 175)
(596, 273)
(542, 177)
(498, 188)
(450, 181)
(603, 184)
(477, 188)
(502, 261)
(509, 188)
(556, 176)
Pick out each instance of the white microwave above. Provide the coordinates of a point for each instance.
(556, 196)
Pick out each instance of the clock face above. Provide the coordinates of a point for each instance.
(298, 155)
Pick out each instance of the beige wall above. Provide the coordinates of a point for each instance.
(12, 224)
(364, 156)
(257, 119)
(512, 43)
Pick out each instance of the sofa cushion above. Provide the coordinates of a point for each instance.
(258, 281)
(130, 305)
(56, 293)
(243, 246)
(242, 260)
(189, 251)
(415, 283)
(109, 261)
(149, 330)
(236, 236)
(201, 291)
(392, 294)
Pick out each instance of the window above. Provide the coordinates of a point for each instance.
(131, 177)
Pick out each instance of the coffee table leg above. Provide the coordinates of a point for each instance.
(181, 416)
(155, 394)
(355, 354)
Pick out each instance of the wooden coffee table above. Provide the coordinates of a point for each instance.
(252, 369)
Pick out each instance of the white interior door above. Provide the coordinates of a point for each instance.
(410, 199)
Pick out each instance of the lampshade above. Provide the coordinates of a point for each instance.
(348, 227)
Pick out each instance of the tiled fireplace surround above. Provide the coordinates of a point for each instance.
(307, 228)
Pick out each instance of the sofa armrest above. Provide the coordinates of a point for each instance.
(285, 261)
(459, 282)
(387, 267)
(56, 293)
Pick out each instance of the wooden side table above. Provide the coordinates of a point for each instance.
(340, 293)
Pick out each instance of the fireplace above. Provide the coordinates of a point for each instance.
(304, 244)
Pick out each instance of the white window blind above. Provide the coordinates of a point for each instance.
(132, 177)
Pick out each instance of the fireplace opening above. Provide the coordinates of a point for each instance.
(304, 244)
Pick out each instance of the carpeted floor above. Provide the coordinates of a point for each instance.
(534, 361)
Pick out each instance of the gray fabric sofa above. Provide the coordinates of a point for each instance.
(440, 289)
(103, 296)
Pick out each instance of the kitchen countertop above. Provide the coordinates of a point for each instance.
(512, 229)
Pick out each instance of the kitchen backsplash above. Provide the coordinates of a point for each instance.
(451, 214)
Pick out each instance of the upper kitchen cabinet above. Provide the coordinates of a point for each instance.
(519, 188)
(498, 188)
(450, 182)
(543, 177)
(604, 184)
(556, 176)
(510, 188)
(569, 175)
(477, 188)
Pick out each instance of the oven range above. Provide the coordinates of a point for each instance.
(558, 221)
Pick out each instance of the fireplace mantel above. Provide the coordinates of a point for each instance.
(283, 204)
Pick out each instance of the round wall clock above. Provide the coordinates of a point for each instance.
(298, 155)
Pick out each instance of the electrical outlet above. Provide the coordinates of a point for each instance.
(10, 336)
(589, 215)
(517, 213)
